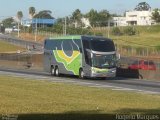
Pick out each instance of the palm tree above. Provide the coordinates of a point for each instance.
(19, 16)
(32, 11)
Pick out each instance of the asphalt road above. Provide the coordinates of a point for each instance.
(117, 84)
(122, 84)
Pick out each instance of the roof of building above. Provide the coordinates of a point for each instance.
(43, 21)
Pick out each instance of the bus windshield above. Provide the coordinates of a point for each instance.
(104, 61)
(102, 45)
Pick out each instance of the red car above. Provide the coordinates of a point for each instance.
(143, 64)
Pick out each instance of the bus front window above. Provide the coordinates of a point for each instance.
(104, 61)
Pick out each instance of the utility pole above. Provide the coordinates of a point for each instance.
(65, 27)
(18, 28)
(108, 28)
(36, 30)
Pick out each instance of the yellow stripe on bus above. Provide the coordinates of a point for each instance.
(68, 59)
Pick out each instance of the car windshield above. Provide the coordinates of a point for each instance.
(104, 61)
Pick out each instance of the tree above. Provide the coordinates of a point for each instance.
(46, 14)
(2, 29)
(103, 17)
(98, 18)
(93, 17)
(32, 11)
(130, 30)
(76, 18)
(156, 15)
(8, 22)
(19, 15)
(143, 6)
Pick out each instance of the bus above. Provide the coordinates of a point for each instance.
(83, 56)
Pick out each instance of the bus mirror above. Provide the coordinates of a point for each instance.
(91, 55)
(80, 49)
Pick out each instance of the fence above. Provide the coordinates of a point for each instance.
(138, 51)
(148, 68)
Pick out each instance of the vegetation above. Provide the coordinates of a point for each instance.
(19, 15)
(156, 15)
(76, 18)
(146, 36)
(8, 22)
(30, 99)
(6, 47)
(2, 29)
(130, 31)
(44, 14)
(116, 31)
(142, 6)
(32, 11)
(98, 18)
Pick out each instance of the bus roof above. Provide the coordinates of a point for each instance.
(75, 37)
(67, 37)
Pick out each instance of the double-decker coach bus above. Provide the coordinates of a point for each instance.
(84, 56)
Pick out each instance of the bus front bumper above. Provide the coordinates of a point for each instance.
(109, 73)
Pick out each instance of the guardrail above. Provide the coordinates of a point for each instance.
(138, 67)
(23, 43)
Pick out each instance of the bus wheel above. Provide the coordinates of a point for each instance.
(56, 71)
(81, 74)
(52, 71)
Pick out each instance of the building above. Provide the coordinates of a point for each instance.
(39, 22)
(134, 18)
(86, 22)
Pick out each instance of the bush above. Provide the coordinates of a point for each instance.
(130, 31)
(116, 31)
(158, 47)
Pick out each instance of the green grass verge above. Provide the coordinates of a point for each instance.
(34, 99)
(7, 47)
(147, 36)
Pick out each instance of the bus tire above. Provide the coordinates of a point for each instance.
(52, 71)
(81, 74)
(56, 71)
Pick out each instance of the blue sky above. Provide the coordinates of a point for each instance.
(61, 8)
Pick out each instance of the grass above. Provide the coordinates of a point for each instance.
(30, 99)
(7, 47)
(148, 36)
(141, 40)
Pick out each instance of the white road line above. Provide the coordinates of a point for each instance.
(84, 83)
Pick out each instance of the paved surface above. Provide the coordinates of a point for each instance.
(122, 84)
(118, 84)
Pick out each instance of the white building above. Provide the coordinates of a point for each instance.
(86, 22)
(119, 21)
(135, 18)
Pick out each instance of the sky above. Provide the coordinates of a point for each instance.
(61, 8)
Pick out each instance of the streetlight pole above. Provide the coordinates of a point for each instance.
(108, 28)
(18, 28)
(65, 27)
(36, 30)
